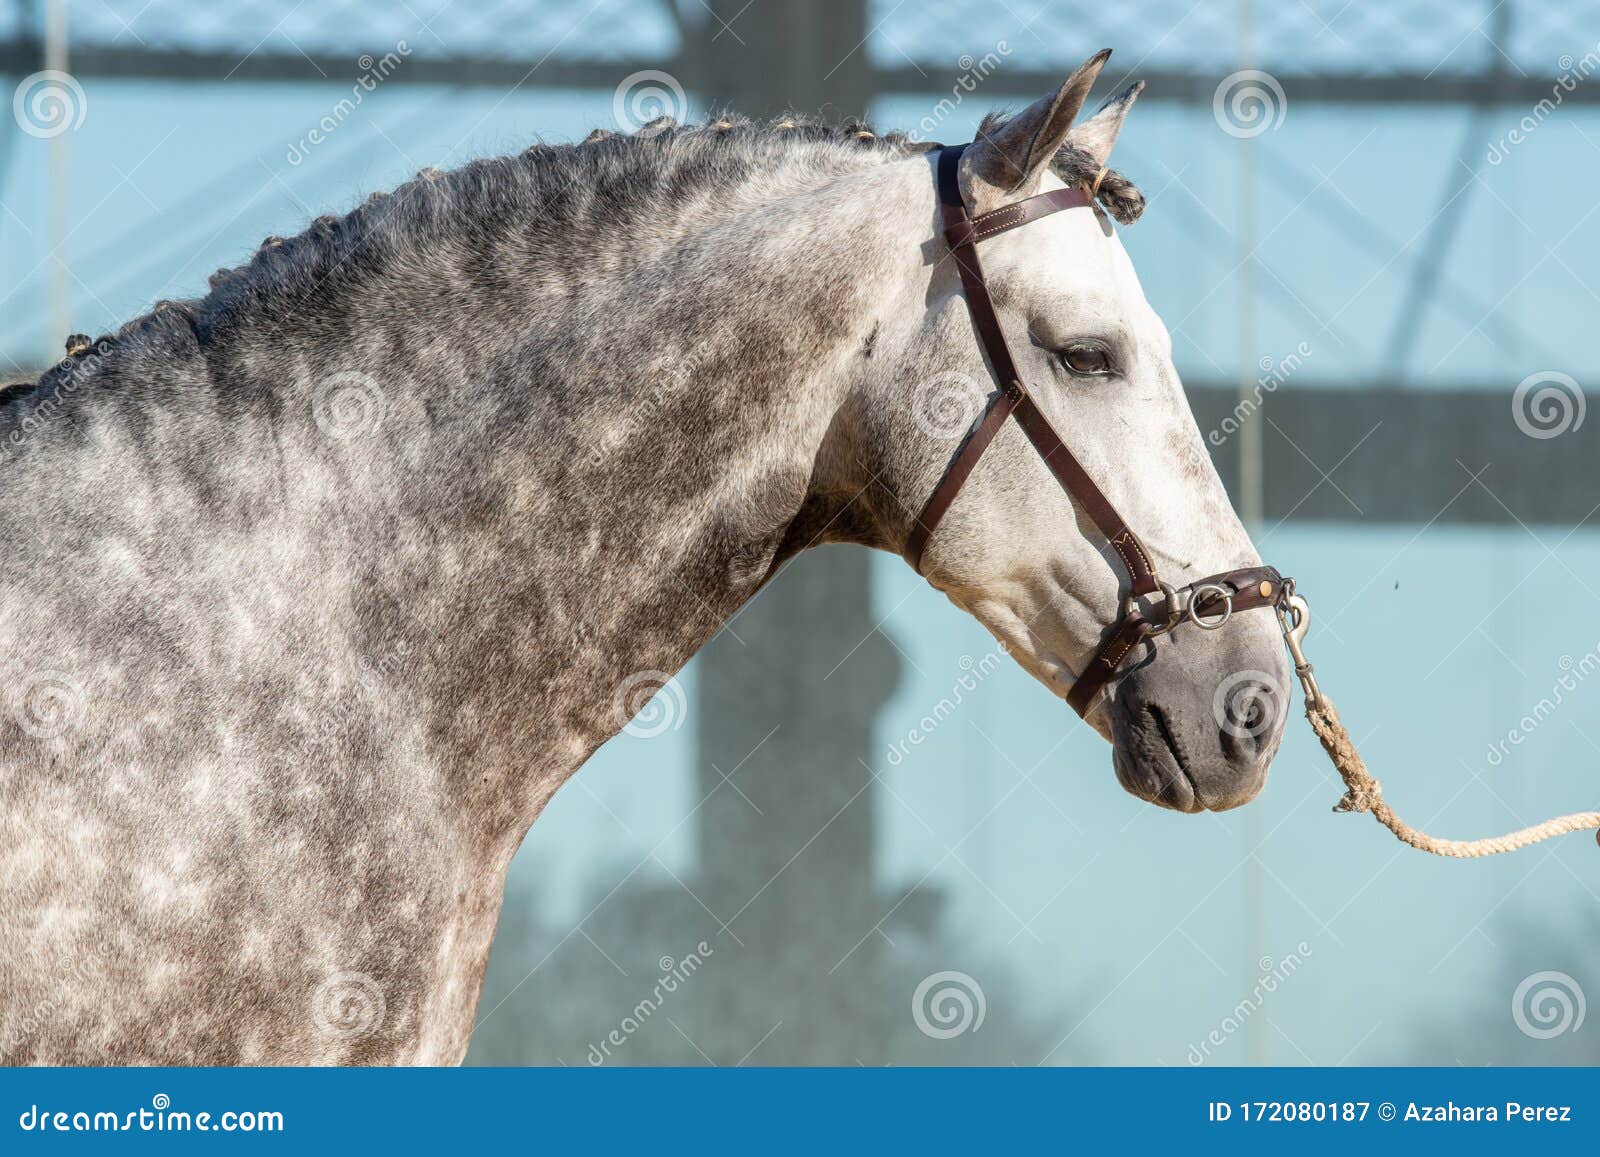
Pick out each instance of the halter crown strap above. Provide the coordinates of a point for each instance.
(963, 232)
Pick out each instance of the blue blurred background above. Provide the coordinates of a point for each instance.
(1390, 236)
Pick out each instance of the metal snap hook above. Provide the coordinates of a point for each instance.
(1198, 597)
(1294, 617)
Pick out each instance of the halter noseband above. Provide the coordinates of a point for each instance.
(1207, 603)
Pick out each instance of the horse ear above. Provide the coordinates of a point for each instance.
(1006, 163)
(1098, 135)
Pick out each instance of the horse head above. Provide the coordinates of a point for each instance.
(1194, 715)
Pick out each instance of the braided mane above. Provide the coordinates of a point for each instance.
(553, 183)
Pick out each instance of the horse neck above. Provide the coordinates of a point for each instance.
(588, 488)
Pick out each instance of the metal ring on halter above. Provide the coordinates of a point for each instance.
(1206, 624)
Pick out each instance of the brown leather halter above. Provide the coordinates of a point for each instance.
(1207, 603)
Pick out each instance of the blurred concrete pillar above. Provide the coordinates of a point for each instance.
(787, 841)
(787, 697)
(767, 58)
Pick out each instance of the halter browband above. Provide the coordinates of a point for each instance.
(1207, 603)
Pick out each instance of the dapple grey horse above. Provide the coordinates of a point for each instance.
(314, 589)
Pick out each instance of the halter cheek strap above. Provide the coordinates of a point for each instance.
(1207, 603)
(963, 233)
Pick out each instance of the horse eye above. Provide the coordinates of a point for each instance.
(1086, 359)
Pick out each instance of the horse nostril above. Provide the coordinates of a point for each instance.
(1247, 715)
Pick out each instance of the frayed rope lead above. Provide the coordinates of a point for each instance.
(1363, 793)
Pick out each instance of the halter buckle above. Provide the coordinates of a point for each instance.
(1169, 598)
(1179, 608)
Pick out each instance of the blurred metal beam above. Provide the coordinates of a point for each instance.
(1395, 455)
(91, 60)
(1341, 88)
(1379, 470)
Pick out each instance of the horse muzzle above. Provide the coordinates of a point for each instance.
(1194, 725)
